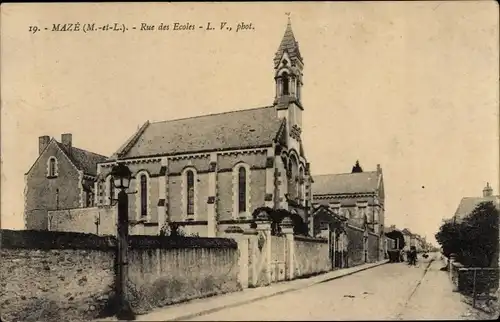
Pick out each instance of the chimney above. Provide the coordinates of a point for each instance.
(43, 141)
(67, 141)
(487, 191)
(379, 169)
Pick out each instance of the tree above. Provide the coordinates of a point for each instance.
(448, 237)
(475, 239)
(357, 168)
(480, 230)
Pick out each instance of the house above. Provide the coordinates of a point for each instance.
(209, 172)
(358, 196)
(62, 177)
(396, 237)
(468, 204)
(408, 238)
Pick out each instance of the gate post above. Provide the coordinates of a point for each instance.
(287, 229)
(251, 235)
(236, 233)
(264, 230)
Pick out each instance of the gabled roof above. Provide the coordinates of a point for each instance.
(406, 231)
(468, 204)
(288, 44)
(82, 159)
(345, 183)
(248, 128)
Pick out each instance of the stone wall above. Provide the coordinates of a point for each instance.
(83, 220)
(163, 271)
(311, 256)
(355, 246)
(373, 248)
(66, 276)
(48, 276)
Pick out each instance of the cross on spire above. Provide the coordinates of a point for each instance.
(288, 43)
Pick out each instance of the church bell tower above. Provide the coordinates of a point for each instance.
(288, 66)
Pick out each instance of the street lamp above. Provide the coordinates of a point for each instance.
(121, 176)
(121, 179)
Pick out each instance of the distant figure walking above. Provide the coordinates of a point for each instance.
(412, 256)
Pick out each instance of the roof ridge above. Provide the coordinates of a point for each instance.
(344, 173)
(87, 151)
(213, 114)
(74, 147)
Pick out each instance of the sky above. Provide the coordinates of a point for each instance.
(412, 86)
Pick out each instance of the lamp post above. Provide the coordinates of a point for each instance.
(121, 179)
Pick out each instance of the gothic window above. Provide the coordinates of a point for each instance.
(190, 192)
(111, 190)
(285, 83)
(90, 199)
(302, 185)
(298, 89)
(242, 190)
(144, 195)
(52, 171)
(290, 178)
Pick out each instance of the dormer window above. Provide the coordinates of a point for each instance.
(52, 168)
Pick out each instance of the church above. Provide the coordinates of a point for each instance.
(209, 172)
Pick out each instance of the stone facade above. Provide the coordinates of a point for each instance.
(358, 197)
(212, 171)
(61, 178)
(100, 220)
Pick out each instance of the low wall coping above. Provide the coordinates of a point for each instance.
(311, 239)
(167, 242)
(44, 239)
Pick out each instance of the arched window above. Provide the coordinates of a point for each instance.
(144, 195)
(298, 89)
(52, 167)
(190, 192)
(285, 83)
(111, 190)
(293, 177)
(242, 190)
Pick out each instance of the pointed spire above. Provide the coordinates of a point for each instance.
(288, 44)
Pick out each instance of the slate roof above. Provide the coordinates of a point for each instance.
(230, 130)
(362, 182)
(468, 204)
(84, 160)
(288, 44)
